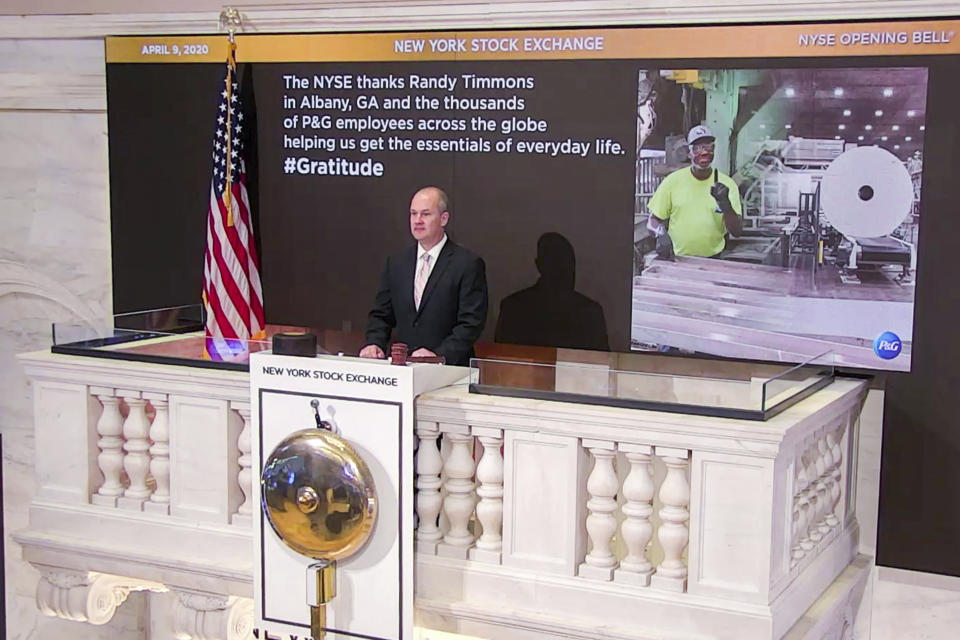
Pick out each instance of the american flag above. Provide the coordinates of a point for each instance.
(232, 295)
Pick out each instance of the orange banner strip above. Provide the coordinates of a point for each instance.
(917, 37)
(167, 48)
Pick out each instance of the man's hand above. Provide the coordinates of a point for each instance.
(721, 193)
(372, 351)
(665, 246)
(423, 352)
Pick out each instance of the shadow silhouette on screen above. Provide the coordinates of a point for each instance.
(551, 313)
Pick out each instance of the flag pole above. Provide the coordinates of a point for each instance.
(231, 20)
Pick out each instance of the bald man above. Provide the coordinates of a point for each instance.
(434, 293)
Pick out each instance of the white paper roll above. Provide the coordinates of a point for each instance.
(866, 192)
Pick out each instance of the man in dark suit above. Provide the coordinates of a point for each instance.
(434, 293)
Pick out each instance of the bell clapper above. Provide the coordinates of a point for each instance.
(321, 589)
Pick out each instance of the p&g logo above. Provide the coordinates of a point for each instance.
(887, 345)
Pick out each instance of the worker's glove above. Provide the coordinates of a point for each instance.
(665, 246)
(721, 193)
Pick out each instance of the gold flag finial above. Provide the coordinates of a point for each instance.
(231, 21)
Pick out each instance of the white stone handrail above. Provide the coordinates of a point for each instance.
(655, 506)
(150, 423)
(143, 471)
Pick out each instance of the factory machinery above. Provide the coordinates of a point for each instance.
(828, 202)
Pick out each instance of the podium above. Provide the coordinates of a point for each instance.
(371, 404)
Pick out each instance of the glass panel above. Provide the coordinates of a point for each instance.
(166, 320)
(746, 393)
(125, 327)
(172, 334)
(786, 386)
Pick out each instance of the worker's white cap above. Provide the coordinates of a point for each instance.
(699, 131)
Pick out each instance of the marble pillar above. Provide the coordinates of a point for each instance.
(54, 267)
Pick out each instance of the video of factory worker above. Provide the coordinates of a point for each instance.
(777, 213)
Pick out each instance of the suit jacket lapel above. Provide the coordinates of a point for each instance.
(442, 261)
(407, 267)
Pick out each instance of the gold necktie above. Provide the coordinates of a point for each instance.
(421, 281)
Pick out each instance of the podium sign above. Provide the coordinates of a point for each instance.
(371, 404)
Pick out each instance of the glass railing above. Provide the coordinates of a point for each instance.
(742, 396)
(171, 335)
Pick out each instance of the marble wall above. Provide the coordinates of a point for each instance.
(54, 267)
(55, 259)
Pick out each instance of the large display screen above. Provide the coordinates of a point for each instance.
(568, 158)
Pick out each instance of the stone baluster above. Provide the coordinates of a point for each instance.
(136, 444)
(416, 516)
(816, 489)
(809, 500)
(637, 530)
(110, 442)
(800, 511)
(459, 502)
(673, 533)
(814, 492)
(825, 484)
(244, 514)
(429, 501)
(796, 551)
(602, 487)
(490, 492)
(833, 441)
(159, 454)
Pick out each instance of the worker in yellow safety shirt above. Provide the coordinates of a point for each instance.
(694, 207)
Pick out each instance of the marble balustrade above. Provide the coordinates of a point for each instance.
(547, 516)
(472, 501)
(134, 445)
(636, 521)
(143, 484)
